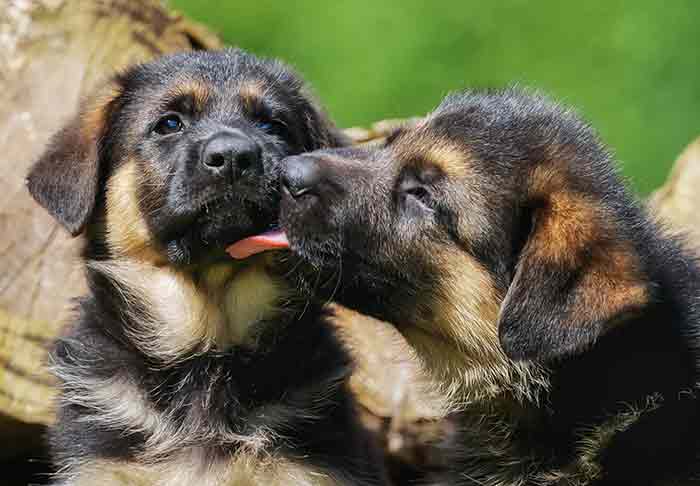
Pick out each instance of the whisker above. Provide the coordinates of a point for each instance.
(308, 299)
(338, 280)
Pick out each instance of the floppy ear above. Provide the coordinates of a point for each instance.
(65, 180)
(577, 276)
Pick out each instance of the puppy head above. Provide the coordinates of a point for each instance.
(497, 225)
(179, 157)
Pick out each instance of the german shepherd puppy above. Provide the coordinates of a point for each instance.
(184, 366)
(558, 318)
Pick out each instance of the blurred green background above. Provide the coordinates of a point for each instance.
(630, 67)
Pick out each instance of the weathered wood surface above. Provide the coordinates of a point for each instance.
(678, 200)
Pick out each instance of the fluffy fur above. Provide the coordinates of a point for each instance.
(559, 320)
(183, 366)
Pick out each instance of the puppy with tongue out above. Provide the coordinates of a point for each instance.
(184, 364)
(270, 240)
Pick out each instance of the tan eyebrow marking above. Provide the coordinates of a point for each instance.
(448, 156)
(251, 94)
(198, 90)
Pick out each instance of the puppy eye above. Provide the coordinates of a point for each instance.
(169, 124)
(273, 127)
(420, 193)
(416, 196)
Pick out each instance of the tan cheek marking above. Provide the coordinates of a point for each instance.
(127, 232)
(457, 336)
(460, 186)
(468, 301)
(456, 163)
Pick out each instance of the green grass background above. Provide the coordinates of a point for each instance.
(632, 68)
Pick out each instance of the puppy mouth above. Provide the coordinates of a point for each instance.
(204, 235)
(252, 245)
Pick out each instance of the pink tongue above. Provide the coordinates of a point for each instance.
(270, 240)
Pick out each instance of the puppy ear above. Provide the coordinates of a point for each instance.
(577, 276)
(65, 180)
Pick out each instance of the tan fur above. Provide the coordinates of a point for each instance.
(123, 405)
(251, 94)
(614, 287)
(185, 315)
(188, 311)
(449, 157)
(93, 117)
(198, 90)
(427, 149)
(546, 179)
(456, 329)
(119, 402)
(383, 356)
(568, 225)
(251, 295)
(127, 233)
(171, 313)
(571, 228)
(457, 337)
(193, 467)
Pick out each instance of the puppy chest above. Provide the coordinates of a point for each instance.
(196, 466)
(250, 297)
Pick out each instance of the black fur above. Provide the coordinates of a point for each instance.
(283, 392)
(606, 304)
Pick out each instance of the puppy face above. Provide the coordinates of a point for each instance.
(179, 158)
(489, 229)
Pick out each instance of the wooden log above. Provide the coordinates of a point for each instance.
(677, 202)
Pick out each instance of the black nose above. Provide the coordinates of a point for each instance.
(300, 175)
(231, 149)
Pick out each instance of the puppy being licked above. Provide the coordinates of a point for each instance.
(184, 366)
(559, 320)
